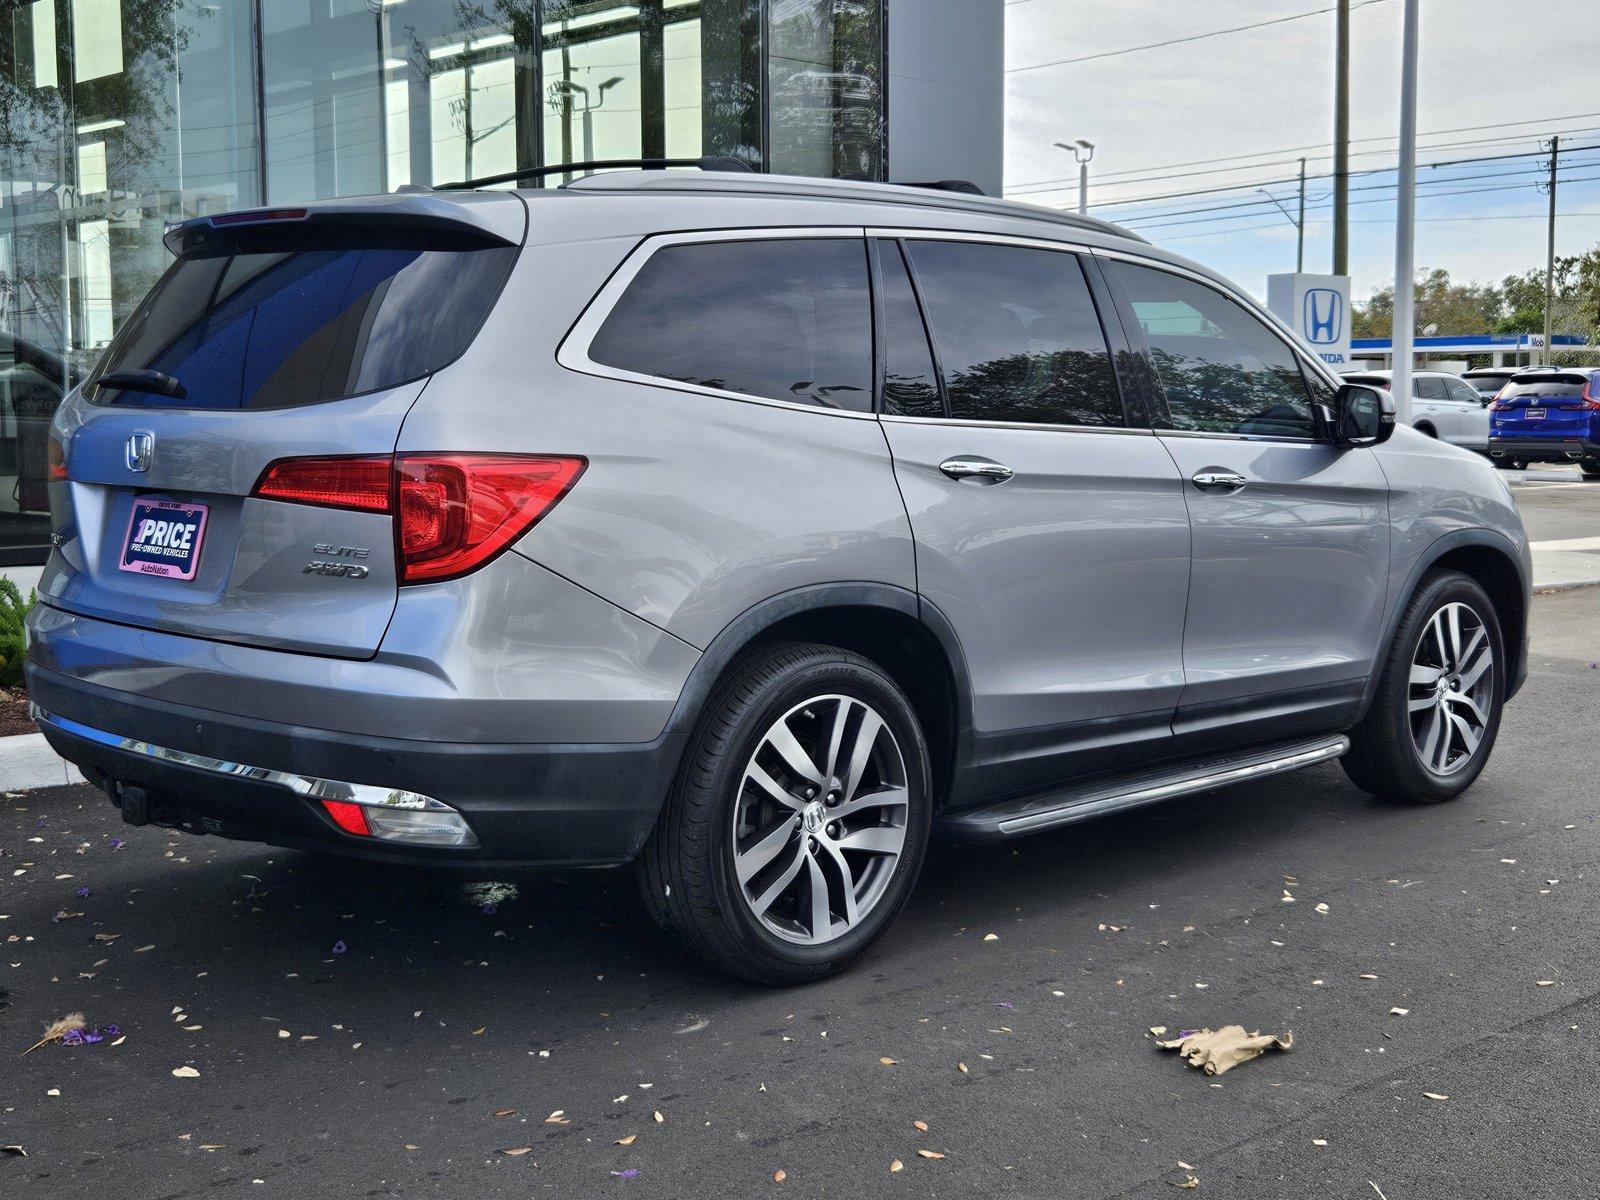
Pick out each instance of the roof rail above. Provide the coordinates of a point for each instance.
(710, 162)
(965, 186)
(753, 183)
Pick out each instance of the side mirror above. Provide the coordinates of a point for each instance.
(1360, 415)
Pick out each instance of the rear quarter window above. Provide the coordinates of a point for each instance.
(781, 319)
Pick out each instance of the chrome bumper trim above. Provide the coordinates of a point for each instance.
(301, 785)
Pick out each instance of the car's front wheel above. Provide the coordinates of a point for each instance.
(1434, 719)
(799, 819)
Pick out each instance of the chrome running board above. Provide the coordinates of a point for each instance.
(1091, 798)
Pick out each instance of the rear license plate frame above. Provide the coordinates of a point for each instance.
(152, 556)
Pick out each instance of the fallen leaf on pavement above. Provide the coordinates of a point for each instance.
(558, 1117)
(185, 1073)
(505, 1112)
(1187, 1184)
(1399, 1012)
(929, 1154)
(988, 937)
(1436, 1095)
(14, 1151)
(626, 1141)
(888, 1062)
(1218, 1051)
(779, 1176)
(660, 1120)
(920, 1126)
(56, 1030)
(517, 1151)
(896, 1167)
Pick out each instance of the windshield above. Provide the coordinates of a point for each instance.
(284, 328)
(1556, 387)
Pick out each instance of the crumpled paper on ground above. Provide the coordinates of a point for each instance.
(1217, 1051)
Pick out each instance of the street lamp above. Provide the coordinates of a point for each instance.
(566, 89)
(1083, 151)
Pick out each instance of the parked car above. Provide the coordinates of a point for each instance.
(750, 529)
(1443, 406)
(1548, 414)
(1487, 381)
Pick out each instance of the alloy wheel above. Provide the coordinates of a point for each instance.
(819, 824)
(1451, 695)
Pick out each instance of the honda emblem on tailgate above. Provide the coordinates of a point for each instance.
(140, 449)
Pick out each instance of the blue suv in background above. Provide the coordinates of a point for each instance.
(1548, 414)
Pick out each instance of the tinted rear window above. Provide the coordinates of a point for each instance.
(274, 330)
(787, 319)
(1559, 386)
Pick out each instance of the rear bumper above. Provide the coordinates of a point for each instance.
(589, 804)
(1533, 449)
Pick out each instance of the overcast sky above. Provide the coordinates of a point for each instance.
(1264, 97)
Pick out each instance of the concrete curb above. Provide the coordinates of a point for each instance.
(26, 761)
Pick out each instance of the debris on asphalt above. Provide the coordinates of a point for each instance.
(88, 1037)
(185, 1073)
(1218, 1051)
(896, 1167)
(57, 1030)
(14, 1151)
(1436, 1095)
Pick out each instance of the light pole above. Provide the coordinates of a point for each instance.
(1405, 218)
(1082, 151)
(566, 89)
(1299, 222)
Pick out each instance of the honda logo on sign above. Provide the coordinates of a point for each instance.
(1324, 316)
(140, 449)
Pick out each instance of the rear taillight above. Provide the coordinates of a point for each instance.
(56, 460)
(1495, 405)
(455, 512)
(1591, 400)
(359, 483)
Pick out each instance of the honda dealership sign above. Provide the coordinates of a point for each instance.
(1317, 307)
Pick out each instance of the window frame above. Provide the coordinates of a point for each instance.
(1134, 416)
(573, 350)
(1157, 399)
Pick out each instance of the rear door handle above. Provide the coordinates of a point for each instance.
(1218, 481)
(976, 468)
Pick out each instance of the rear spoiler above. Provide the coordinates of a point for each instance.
(394, 219)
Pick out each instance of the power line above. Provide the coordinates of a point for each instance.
(1043, 186)
(1193, 37)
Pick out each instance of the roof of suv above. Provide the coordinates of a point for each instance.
(851, 190)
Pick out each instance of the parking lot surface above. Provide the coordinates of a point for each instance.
(383, 1031)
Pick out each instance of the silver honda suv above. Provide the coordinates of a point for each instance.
(752, 530)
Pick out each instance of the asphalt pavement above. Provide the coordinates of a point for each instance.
(379, 1031)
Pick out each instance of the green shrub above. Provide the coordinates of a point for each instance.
(13, 611)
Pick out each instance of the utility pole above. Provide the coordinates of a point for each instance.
(1405, 219)
(1300, 224)
(1550, 253)
(1341, 143)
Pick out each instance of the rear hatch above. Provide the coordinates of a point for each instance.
(279, 334)
(1547, 407)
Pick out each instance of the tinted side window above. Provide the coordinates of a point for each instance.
(1222, 369)
(910, 386)
(1430, 387)
(787, 319)
(1017, 332)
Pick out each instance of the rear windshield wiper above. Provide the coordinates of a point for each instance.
(157, 382)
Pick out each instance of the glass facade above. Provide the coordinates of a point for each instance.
(119, 117)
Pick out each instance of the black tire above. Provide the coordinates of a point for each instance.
(1590, 468)
(1384, 758)
(1506, 464)
(687, 870)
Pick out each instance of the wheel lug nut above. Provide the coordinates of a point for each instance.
(833, 829)
(813, 844)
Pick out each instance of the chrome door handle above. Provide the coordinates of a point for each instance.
(975, 468)
(1209, 481)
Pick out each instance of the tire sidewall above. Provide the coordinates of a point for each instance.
(1447, 589)
(860, 681)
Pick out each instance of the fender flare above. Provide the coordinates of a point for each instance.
(757, 619)
(1456, 539)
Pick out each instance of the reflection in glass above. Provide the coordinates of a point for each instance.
(1017, 332)
(825, 79)
(1223, 371)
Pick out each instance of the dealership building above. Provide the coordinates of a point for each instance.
(121, 117)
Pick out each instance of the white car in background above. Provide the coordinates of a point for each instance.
(1443, 406)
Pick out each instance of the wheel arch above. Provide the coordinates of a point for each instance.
(899, 631)
(1492, 561)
